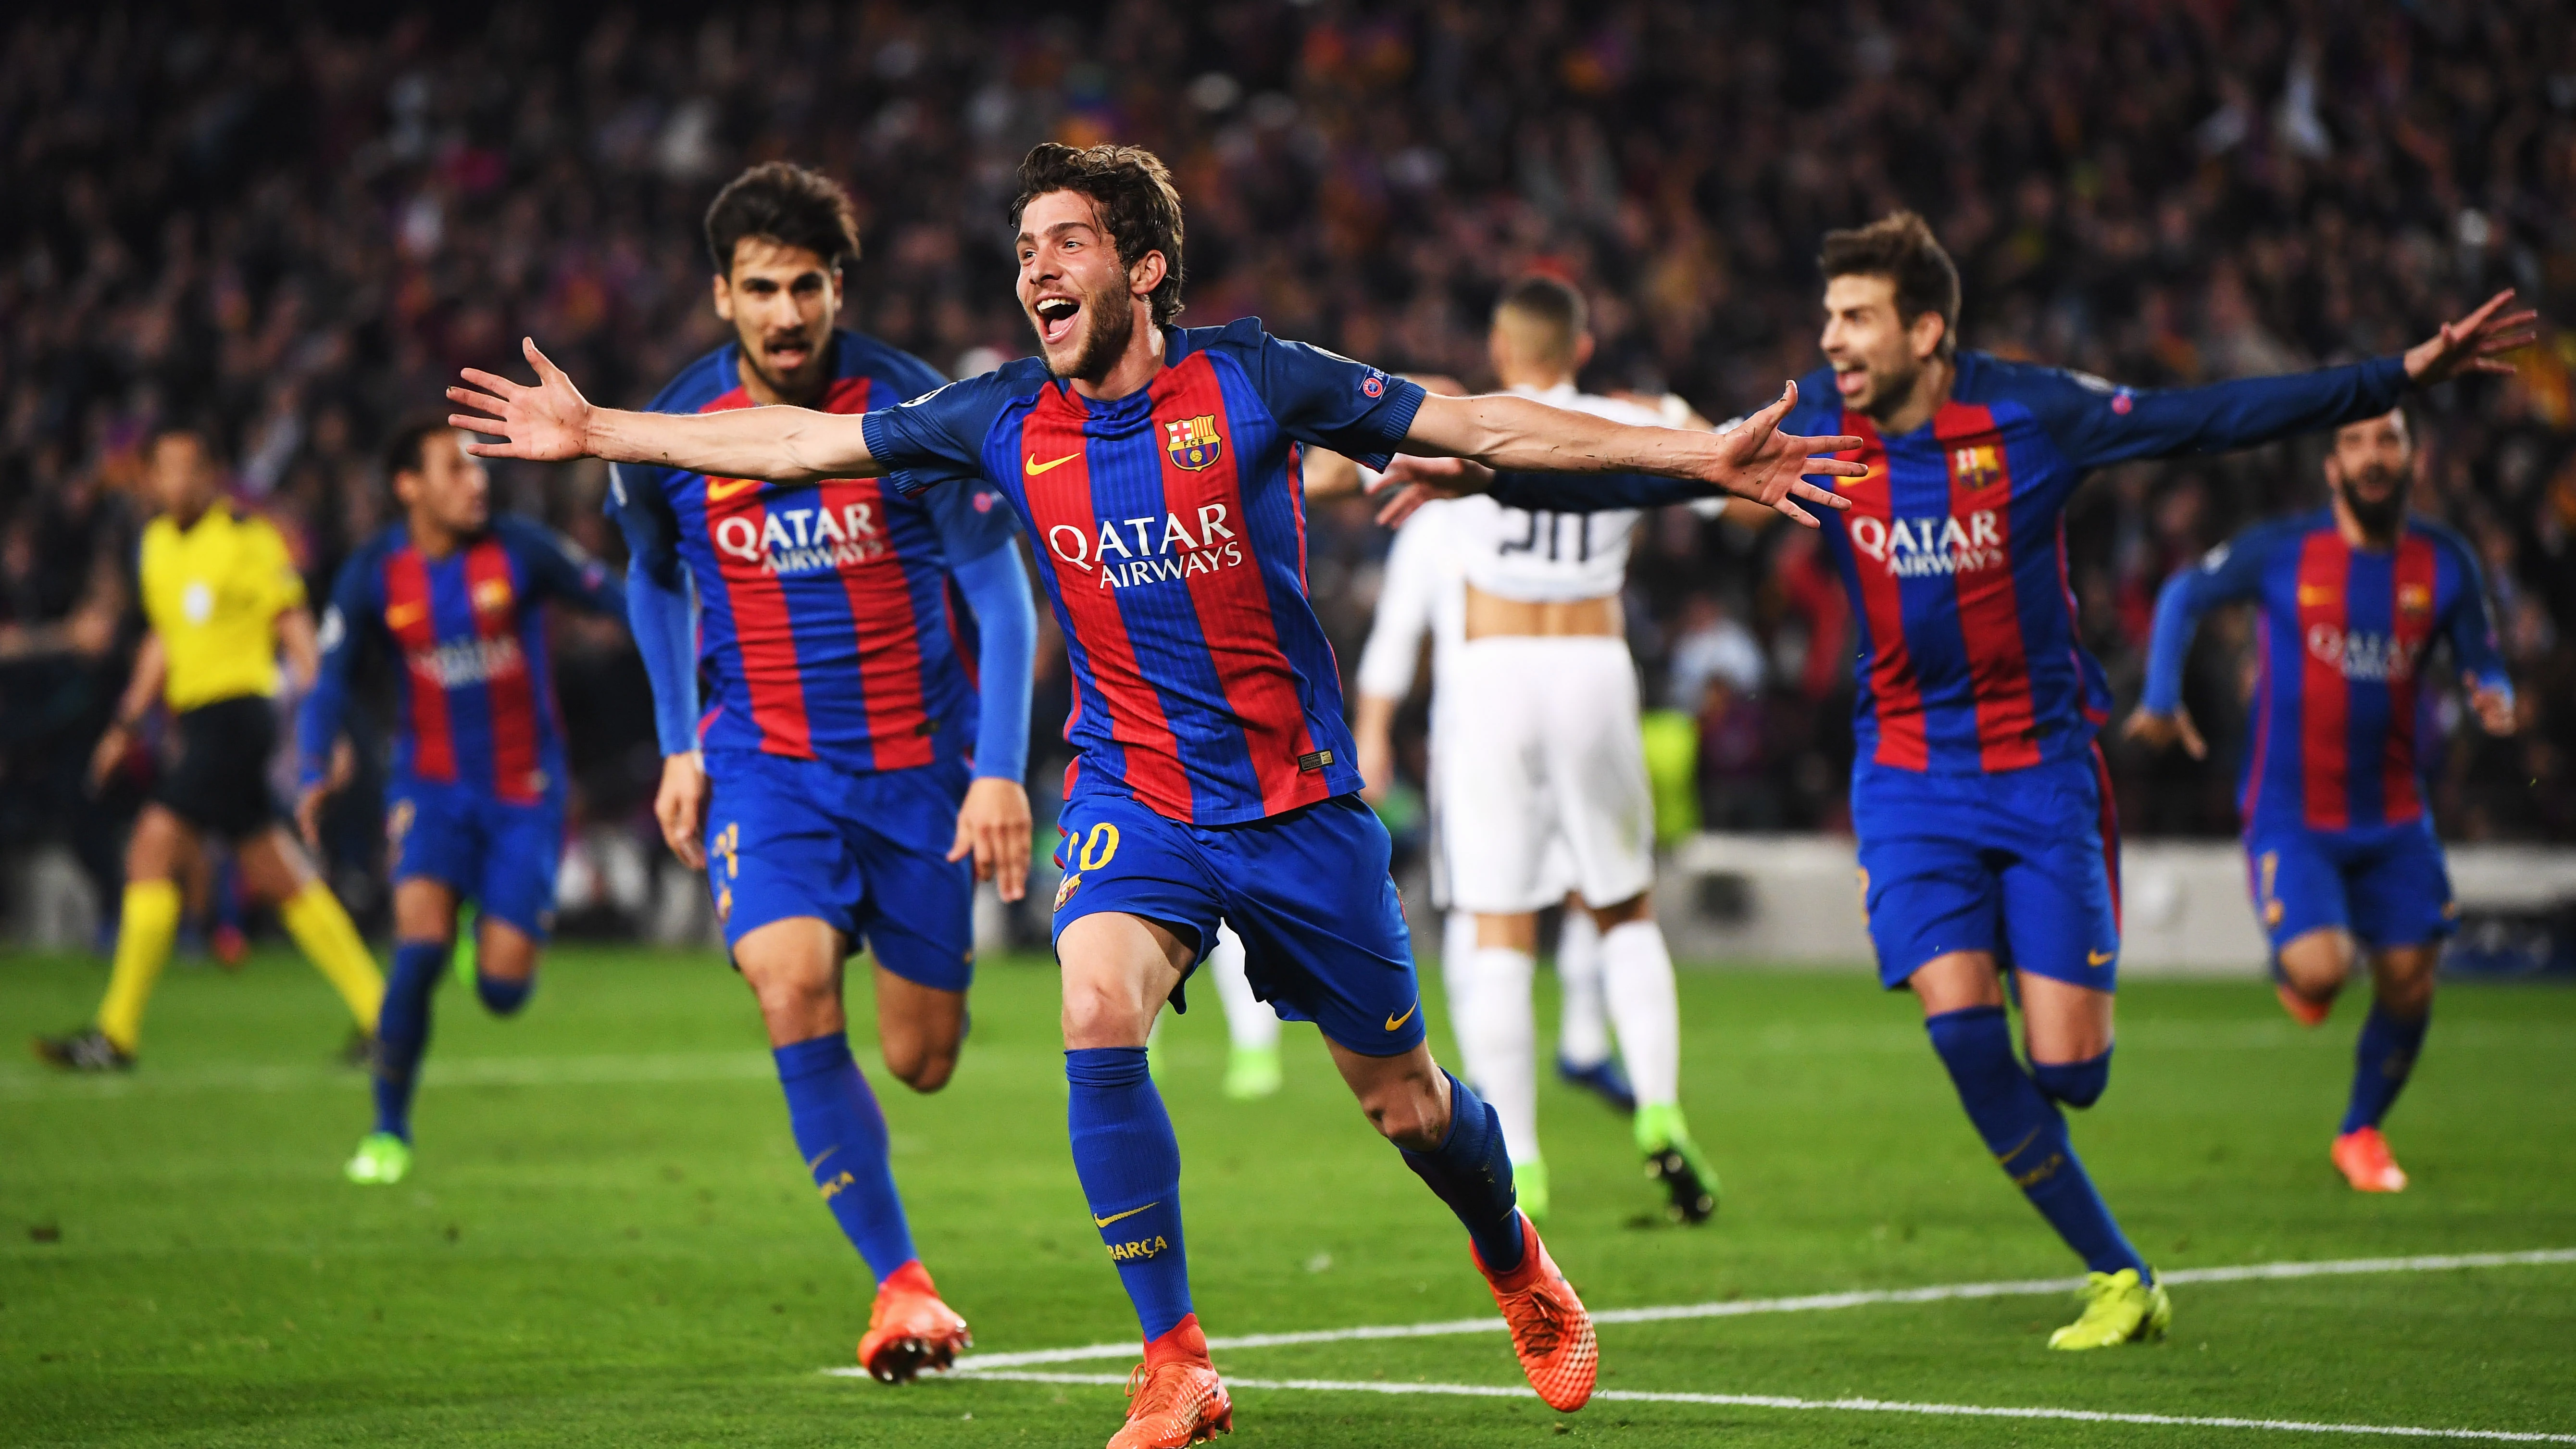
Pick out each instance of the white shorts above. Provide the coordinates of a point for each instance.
(1541, 746)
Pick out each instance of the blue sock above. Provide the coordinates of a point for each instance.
(1473, 1174)
(2075, 1084)
(842, 1133)
(1130, 1165)
(2380, 1064)
(2024, 1131)
(402, 1030)
(503, 997)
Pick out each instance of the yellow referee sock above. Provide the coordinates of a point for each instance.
(143, 935)
(324, 933)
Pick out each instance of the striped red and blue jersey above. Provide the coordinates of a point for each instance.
(475, 702)
(1170, 534)
(828, 627)
(1954, 548)
(2341, 711)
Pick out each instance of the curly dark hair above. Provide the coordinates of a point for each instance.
(1900, 247)
(789, 204)
(1133, 192)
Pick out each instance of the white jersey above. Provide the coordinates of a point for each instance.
(1418, 593)
(1546, 557)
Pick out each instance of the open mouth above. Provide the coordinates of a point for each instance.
(787, 354)
(1851, 381)
(1055, 318)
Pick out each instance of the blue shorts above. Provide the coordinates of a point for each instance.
(866, 852)
(2386, 885)
(1323, 930)
(501, 856)
(2021, 863)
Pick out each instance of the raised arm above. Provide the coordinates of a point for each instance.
(552, 422)
(1520, 435)
(2099, 424)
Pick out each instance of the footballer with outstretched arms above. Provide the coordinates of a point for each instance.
(865, 656)
(1987, 835)
(476, 803)
(1154, 468)
(2340, 853)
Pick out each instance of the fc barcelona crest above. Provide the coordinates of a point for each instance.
(1193, 442)
(1976, 467)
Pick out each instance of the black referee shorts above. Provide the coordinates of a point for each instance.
(220, 782)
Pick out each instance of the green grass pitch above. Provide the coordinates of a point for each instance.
(608, 1238)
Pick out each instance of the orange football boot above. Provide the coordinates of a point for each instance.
(2363, 1157)
(1550, 1331)
(910, 1329)
(1174, 1397)
(2305, 1010)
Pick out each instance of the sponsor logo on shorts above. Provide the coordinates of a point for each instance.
(1064, 891)
(1393, 1021)
(2100, 958)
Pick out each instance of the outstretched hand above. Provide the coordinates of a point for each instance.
(2492, 706)
(1755, 460)
(1416, 481)
(2475, 343)
(548, 423)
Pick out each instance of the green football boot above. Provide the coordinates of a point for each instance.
(1676, 1162)
(2118, 1309)
(382, 1159)
(1252, 1072)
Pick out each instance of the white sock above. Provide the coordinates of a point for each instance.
(1249, 1021)
(1582, 1028)
(1499, 1034)
(1457, 944)
(1637, 977)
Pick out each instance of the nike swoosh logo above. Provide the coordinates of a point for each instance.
(720, 489)
(2099, 958)
(818, 1158)
(1101, 1222)
(1393, 1022)
(1036, 467)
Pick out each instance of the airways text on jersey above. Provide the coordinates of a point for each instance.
(1164, 550)
(810, 539)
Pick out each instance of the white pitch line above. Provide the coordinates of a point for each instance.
(1853, 1405)
(599, 1070)
(1809, 1303)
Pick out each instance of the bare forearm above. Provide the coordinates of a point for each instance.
(150, 666)
(296, 640)
(780, 444)
(1517, 434)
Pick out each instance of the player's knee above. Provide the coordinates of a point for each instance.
(2075, 1084)
(2404, 984)
(1407, 1113)
(2317, 964)
(921, 1064)
(503, 995)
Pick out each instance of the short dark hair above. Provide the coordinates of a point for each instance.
(1900, 247)
(192, 429)
(1550, 303)
(789, 204)
(405, 451)
(1133, 192)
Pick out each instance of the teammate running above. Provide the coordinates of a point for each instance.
(476, 805)
(1987, 838)
(1545, 731)
(1154, 466)
(223, 600)
(2339, 846)
(844, 770)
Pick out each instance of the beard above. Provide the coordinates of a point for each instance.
(2379, 519)
(1111, 325)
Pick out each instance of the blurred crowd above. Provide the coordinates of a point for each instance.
(295, 229)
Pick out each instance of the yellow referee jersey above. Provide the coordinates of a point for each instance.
(213, 592)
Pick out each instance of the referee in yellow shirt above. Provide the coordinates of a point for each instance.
(222, 599)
